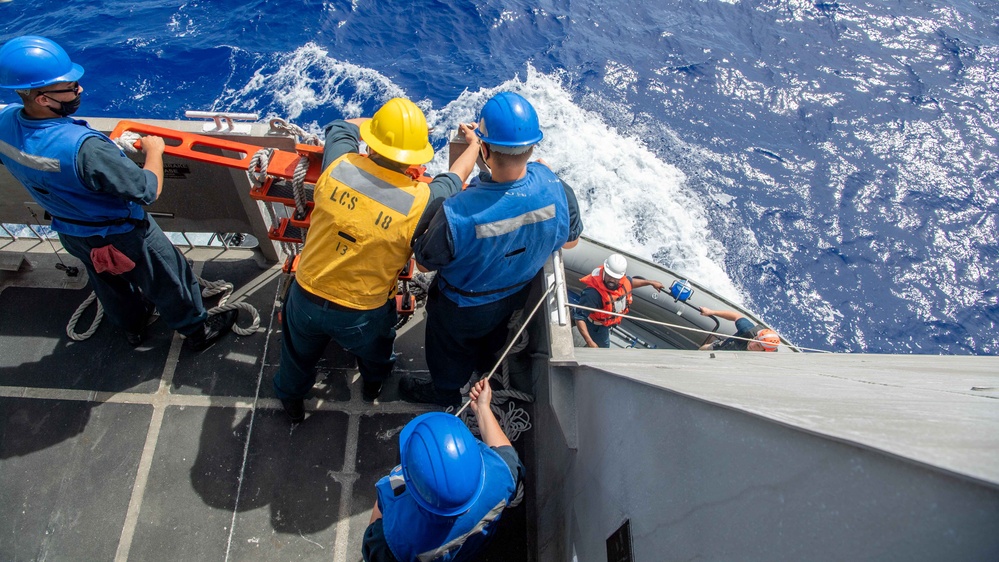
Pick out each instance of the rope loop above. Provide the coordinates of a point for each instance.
(298, 188)
(225, 288)
(211, 288)
(256, 171)
(279, 125)
(127, 141)
(71, 327)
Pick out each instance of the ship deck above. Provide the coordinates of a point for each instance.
(156, 453)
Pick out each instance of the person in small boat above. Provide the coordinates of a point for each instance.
(607, 288)
(487, 243)
(446, 498)
(368, 210)
(748, 336)
(95, 196)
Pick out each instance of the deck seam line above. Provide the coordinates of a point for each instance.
(347, 494)
(159, 405)
(203, 400)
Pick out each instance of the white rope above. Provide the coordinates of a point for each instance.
(127, 141)
(298, 187)
(278, 124)
(514, 421)
(71, 327)
(512, 342)
(679, 327)
(211, 288)
(275, 221)
(257, 168)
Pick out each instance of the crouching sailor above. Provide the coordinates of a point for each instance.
(748, 336)
(95, 195)
(444, 501)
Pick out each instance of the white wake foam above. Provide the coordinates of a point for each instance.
(627, 196)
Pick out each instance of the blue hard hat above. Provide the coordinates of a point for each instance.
(441, 463)
(31, 61)
(508, 119)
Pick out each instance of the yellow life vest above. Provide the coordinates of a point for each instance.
(361, 232)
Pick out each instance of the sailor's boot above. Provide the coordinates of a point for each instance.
(137, 335)
(213, 328)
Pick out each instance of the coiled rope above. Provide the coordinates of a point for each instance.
(211, 288)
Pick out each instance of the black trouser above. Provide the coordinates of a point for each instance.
(462, 339)
(161, 276)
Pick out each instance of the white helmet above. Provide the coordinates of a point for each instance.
(615, 266)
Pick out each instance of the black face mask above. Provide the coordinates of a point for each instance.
(66, 108)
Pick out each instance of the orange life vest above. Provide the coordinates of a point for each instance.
(618, 300)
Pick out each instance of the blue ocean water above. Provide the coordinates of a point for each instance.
(832, 165)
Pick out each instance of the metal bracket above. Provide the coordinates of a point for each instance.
(224, 123)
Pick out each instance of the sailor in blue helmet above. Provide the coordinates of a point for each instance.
(95, 196)
(444, 501)
(487, 243)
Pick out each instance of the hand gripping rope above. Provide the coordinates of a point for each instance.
(514, 421)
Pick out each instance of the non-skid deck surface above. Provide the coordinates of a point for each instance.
(158, 453)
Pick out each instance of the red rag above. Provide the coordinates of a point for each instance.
(109, 259)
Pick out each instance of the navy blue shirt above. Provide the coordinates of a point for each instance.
(376, 549)
(102, 168)
(343, 137)
(435, 248)
(744, 328)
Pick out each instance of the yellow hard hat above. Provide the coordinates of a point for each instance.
(398, 131)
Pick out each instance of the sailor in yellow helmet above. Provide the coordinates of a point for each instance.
(367, 212)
